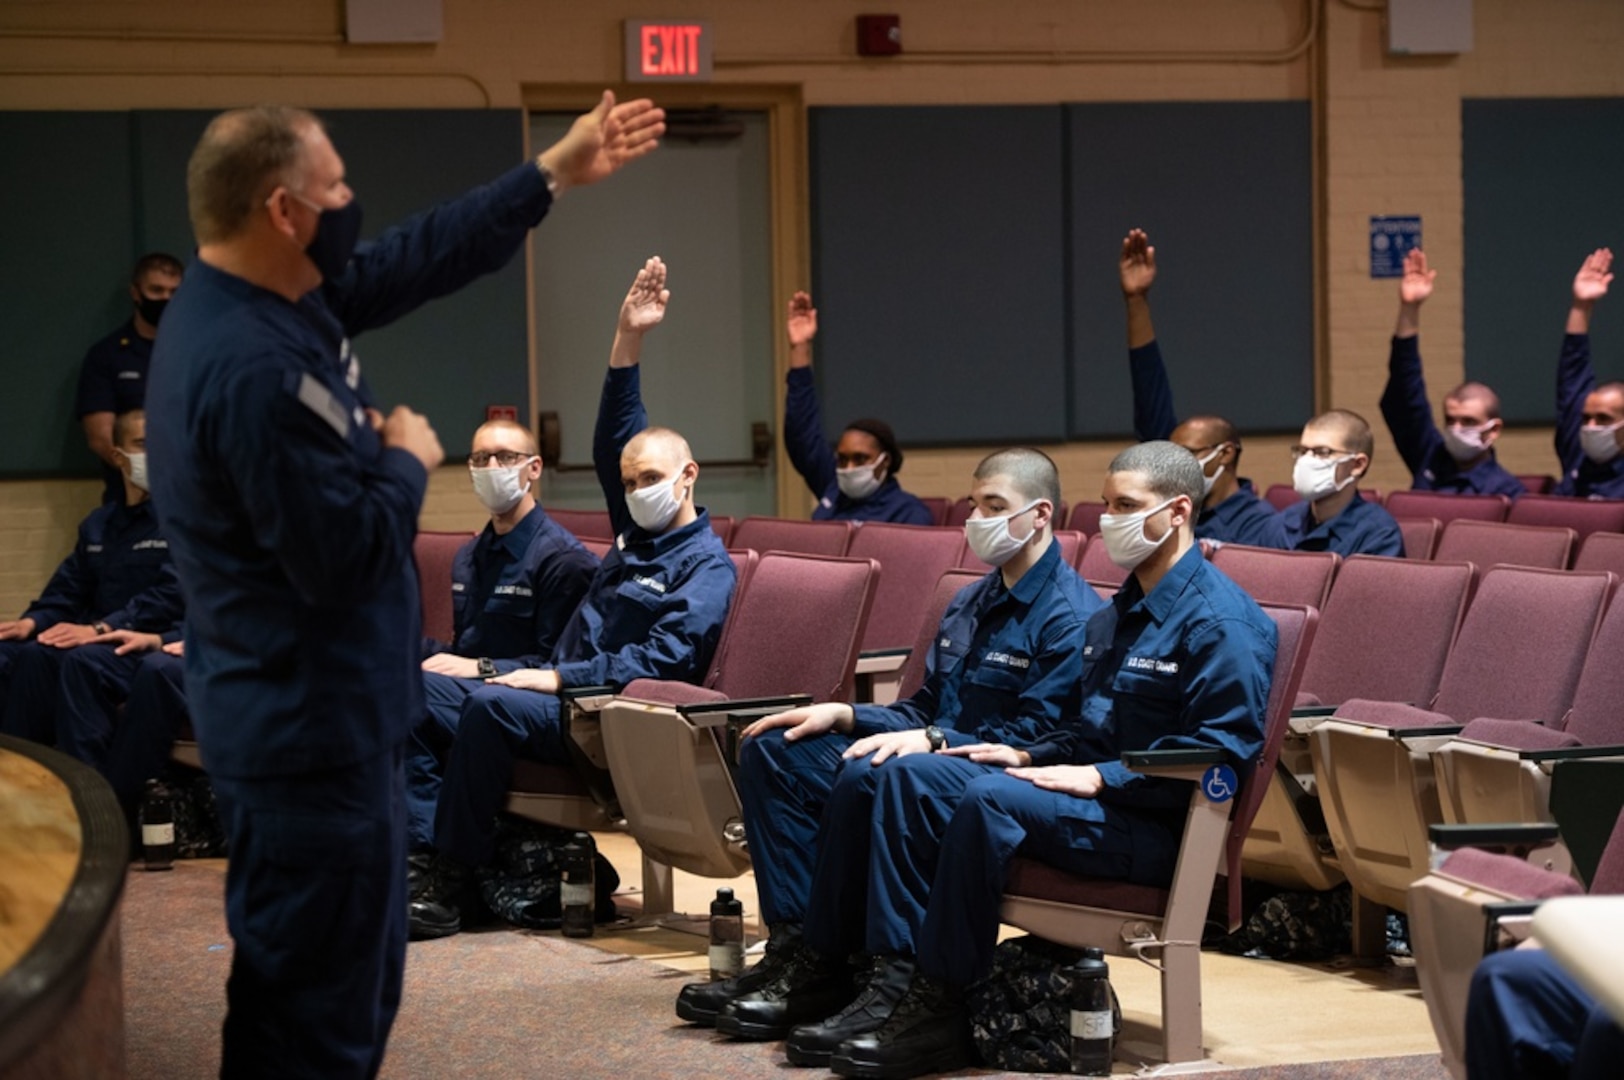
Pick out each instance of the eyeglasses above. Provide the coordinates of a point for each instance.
(479, 459)
(1324, 453)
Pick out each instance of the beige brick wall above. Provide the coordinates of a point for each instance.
(1390, 129)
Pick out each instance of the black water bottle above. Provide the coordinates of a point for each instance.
(1092, 1025)
(577, 893)
(157, 816)
(726, 936)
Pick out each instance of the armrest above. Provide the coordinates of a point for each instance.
(1435, 731)
(1313, 711)
(1499, 834)
(1178, 764)
(1569, 753)
(699, 709)
(586, 698)
(879, 661)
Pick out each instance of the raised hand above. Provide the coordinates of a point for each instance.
(1137, 264)
(645, 302)
(1416, 284)
(1590, 283)
(802, 321)
(604, 140)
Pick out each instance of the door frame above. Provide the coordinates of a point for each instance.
(789, 217)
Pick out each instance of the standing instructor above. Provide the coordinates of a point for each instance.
(290, 503)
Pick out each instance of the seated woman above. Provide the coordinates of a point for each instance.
(857, 480)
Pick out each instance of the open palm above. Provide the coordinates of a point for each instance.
(1590, 284)
(645, 302)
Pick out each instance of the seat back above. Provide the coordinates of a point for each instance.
(1583, 516)
(722, 526)
(1446, 507)
(434, 552)
(797, 629)
(1523, 644)
(948, 585)
(763, 534)
(1281, 496)
(1095, 565)
(1596, 717)
(1488, 543)
(1420, 536)
(1537, 484)
(959, 512)
(584, 523)
(600, 548)
(1279, 577)
(911, 558)
(1085, 517)
(938, 506)
(1386, 629)
(1601, 551)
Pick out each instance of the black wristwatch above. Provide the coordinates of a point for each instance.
(487, 670)
(935, 737)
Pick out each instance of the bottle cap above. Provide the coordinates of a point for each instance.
(724, 893)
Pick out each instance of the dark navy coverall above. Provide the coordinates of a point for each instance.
(1187, 666)
(1362, 528)
(654, 611)
(113, 378)
(1006, 667)
(1575, 379)
(292, 529)
(1409, 418)
(1526, 1017)
(812, 457)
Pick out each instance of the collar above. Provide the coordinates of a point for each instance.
(1165, 596)
(517, 541)
(661, 543)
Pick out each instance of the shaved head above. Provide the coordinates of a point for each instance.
(1477, 395)
(657, 442)
(1205, 431)
(1346, 430)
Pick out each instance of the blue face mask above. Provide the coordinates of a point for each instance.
(338, 229)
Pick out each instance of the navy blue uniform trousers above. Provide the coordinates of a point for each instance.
(316, 901)
(783, 788)
(1526, 1017)
(153, 720)
(29, 674)
(93, 682)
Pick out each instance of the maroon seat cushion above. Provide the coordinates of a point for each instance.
(1390, 714)
(534, 778)
(1040, 881)
(1516, 734)
(670, 693)
(1507, 874)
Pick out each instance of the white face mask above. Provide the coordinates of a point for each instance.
(1465, 443)
(653, 507)
(1208, 481)
(990, 540)
(1600, 443)
(1315, 479)
(138, 468)
(501, 489)
(1125, 539)
(860, 481)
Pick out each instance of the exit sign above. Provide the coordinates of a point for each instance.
(668, 50)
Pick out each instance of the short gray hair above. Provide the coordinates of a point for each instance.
(1168, 469)
(241, 158)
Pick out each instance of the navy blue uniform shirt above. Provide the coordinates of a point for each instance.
(656, 607)
(1362, 528)
(113, 377)
(1187, 666)
(1409, 417)
(1006, 666)
(119, 573)
(809, 452)
(291, 523)
(1575, 379)
(1243, 518)
(512, 595)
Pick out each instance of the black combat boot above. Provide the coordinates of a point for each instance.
(699, 1002)
(815, 1044)
(444, 888)
(927, 1032)
(809, 987)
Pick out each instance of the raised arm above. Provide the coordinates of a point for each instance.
(1575, 377)
(620, 410)
(804, 440)
(1404, 402)
(1153, 415)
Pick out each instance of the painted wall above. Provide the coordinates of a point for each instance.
(1389, 129)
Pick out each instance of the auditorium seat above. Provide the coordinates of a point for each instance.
(1537, 485)
(911, 558)
(1281, 496)
(938, 506)
(722, 526)
(1488, 543)
(1420, 536)
(1601, 551)
(1446, 507)
(584, 523)
(1279, 577)
(1164, 926)
(911, 676)
(1096, 567)
(1085, 517)
(959, 512)
(764, 534)
(1583, 516)
(434, 552)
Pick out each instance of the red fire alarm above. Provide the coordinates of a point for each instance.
(879, 35)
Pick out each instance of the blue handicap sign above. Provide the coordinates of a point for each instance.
(1391, 238)
(1220, 783)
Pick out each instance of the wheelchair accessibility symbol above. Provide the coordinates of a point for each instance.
(1220, 783)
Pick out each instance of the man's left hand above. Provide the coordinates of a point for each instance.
(602, 141)
(1083, 781)
(545, 682)
(128, 641)
(888, 744)
(458, 667)
(986, 753)
(66, 635)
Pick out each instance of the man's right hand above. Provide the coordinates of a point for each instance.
(1416, 284)
(176, 648)
(807, 722)
(126, 642)
(16, 630)
(458, 667)
(802, 323)
(644, 306)
(410, 431)
(1137, 265)
(1590, 283)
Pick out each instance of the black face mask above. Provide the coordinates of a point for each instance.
(151, 310)
(337, 231)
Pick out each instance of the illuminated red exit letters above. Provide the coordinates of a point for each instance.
(667, 51)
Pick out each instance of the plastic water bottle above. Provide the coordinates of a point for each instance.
(726, 936)
(157, 816)
(1091, 1021)
(577, 892)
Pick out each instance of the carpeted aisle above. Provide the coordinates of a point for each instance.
(498, 1003)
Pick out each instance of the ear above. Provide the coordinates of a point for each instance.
(279, 204)
(1182, 511)
(1359, 466)
(1042, 515)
